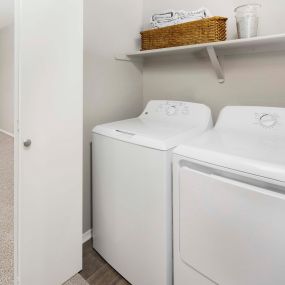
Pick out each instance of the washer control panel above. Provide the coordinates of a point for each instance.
(167, 109)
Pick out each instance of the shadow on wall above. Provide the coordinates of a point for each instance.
(7, 79)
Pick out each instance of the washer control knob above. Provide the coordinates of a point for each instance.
(185, 110)
(171, 110)
(268, 120)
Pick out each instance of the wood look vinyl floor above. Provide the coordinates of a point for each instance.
(96, 271)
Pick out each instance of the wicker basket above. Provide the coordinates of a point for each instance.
(197, 32)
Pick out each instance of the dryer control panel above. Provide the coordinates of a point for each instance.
(252, 119)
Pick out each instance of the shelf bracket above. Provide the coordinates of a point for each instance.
(125, 58)
(122, 57)
(216, 64)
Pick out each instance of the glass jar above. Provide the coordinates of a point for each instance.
(247, 20)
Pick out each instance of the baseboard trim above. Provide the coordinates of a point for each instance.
(87, 236)
(6, 133)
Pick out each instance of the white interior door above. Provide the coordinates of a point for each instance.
(49, 188)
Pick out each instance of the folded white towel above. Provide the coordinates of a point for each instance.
(172, 17)
(164, 17)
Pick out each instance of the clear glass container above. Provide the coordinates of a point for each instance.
(247, 20)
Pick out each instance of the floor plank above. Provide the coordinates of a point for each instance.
(6, 210)
(96, 271)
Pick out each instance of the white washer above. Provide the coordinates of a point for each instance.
(132, 197)
(229, 201)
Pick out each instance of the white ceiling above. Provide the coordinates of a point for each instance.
(6, 12)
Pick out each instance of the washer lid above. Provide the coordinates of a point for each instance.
(247, 139)
(163, 125)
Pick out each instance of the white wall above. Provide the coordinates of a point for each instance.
(250, 79)
(112, 89)
(7, 78)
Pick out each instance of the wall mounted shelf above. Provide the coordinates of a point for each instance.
(214, 50)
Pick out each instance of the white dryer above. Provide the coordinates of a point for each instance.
(229, 201)
(132, 183)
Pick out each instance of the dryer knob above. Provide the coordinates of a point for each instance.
(268, 120)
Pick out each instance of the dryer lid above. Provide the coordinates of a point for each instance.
(163, 125)
(246, 139)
